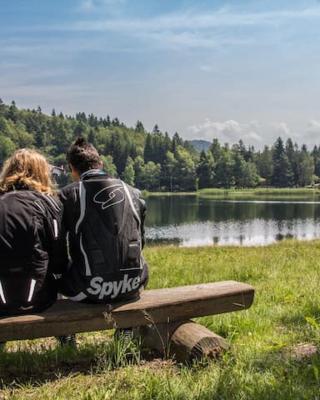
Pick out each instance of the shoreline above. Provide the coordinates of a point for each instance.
(231, 245)
(241, 193)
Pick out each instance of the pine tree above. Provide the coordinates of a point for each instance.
(293, 154)
(156, 129)
(92, 137)
(316, 159)
(239, 167)
(138, 166)
(13, 112)
(205, 170)
(176, 141)
(118, 147)
(40, 138)
(215, 149)
(305, 168)
(185, 170)
(224, 170)
(7, 147)
(150, 176)
(129, 174)
(2, 108)
(139, 127)
(169, 175)
(264, 165)
(148, 148)
(282, 175)
(250, 177)
(115, 122)
(109, 166)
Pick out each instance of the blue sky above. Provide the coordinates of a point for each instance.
(226, 69)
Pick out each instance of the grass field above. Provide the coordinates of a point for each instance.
(265, 360)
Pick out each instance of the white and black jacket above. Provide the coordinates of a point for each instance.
(32, 250)
(104, 220)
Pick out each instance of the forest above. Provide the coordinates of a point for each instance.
(156, 161)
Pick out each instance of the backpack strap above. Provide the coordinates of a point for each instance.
(134, 210)
(82, 196)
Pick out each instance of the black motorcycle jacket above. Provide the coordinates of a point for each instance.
(32, 250)
(104, 220)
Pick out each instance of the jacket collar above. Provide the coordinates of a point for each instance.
(92, 172)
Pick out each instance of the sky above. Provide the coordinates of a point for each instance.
(227, 69)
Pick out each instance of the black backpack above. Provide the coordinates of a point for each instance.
(109, 234)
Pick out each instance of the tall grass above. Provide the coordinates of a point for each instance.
(263, 362)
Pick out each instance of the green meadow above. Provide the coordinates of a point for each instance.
(274, 351)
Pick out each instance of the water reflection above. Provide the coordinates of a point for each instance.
(194, 221)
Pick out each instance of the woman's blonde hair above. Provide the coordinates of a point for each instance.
(26, 169)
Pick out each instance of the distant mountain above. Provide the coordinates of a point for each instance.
(200, 145)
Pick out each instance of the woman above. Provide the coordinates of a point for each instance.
(32, 247)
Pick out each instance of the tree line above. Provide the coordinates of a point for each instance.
(153, 160)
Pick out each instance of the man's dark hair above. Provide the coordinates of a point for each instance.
(83, 156)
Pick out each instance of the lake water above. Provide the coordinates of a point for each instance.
(198, 221)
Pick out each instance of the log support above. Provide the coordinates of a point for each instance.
(185, 341)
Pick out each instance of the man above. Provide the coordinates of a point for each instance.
(104, 220)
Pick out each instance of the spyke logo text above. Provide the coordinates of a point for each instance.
(112, 288)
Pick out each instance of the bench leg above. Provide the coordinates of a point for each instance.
(185, 341)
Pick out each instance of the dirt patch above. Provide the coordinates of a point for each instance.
(303, 351)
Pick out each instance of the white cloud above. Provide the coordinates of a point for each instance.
(312, 134)
(183, 29)
(178, 40)
(228, 131)
(314, 126)
(97, 5)
(309, 134)
(86, 5)
(206, 68)
(200, 30)
(191, 21)
(254, 132)
(282, 129)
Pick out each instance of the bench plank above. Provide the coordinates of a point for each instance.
(154, 306)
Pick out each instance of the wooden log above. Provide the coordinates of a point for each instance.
(153, 307)
(185, 341)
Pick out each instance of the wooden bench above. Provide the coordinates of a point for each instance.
(164, 314)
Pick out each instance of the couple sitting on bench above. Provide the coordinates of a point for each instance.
(84, 242)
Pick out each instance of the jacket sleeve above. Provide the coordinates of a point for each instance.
(59, 254)
(142, 209)
(57, 245)
(143, 213)
(69, 197)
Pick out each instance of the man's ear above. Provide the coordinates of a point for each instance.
(74, 173)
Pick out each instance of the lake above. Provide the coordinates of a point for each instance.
(196, 221)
